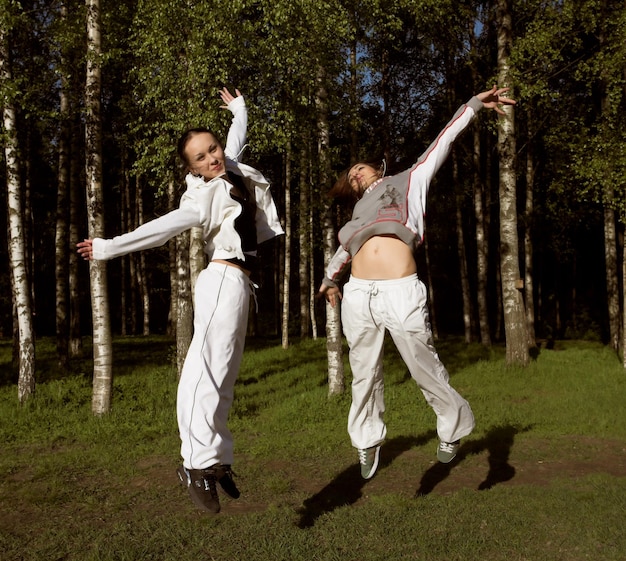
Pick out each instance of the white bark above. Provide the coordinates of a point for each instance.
(287, 265)
(528, 250)
(512, 285)
(184, 305)
(482, 247)
(334, 349)
(61, 244)
(102, 347)
(197, 257)
(17, 243)
(612, 288)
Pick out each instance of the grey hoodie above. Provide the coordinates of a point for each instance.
(396, 205)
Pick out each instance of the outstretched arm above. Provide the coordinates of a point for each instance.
(153, 233)
(236, 138)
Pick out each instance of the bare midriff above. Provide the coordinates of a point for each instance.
(383, 258)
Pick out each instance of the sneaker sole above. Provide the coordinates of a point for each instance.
(213, 509)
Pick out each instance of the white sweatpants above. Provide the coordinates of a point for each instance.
(400, 307)
(206, 386)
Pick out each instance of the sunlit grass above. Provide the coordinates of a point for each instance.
(78, 487)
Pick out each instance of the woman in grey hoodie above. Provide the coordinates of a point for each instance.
(384, 293)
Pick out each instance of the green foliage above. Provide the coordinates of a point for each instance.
(414, 62)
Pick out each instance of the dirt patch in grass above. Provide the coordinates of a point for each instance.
(411, 472)
(408, 467)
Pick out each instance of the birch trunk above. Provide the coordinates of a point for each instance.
(612, 288)
(102, 346)
(17, 243)
(173, 313)
(513, 304)
(336, 384)
(142, 276)
(126, 226)
(184, 306)
(528, 248)
(312, 287)
(334, 349)
(61, 242)
(462, 254)
(432, 312)
(482, 247)
(75, 288)
(480, 219)
(304, 244)
(287, 257)
(197, 257)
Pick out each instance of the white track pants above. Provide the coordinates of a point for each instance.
(206, 386)
(399, 306)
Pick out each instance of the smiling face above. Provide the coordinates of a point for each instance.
(204, 155)
(361, 176)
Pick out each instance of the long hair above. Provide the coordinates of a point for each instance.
(343, 192)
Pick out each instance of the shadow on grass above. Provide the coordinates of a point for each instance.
(498, 442)
(347, 487)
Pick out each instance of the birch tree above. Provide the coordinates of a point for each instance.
(528, 246)
(513, 304)
(62, 238)
(102, 345)
(334, 349)
(478, 197)
(184, 300)
(288, 237)
(17, 244)
(305, 253)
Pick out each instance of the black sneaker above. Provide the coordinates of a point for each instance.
(201, 485)
(226, 482)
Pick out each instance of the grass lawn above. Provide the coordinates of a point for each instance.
(542, 478)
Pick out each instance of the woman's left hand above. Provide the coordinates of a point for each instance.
(493, 98)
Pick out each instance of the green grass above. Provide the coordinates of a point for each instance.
(542, 478)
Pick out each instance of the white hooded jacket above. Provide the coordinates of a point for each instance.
(208, 205)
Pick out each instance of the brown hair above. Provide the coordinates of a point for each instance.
(185, 138)
(343, 191)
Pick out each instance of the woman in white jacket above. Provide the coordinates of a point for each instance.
(233, 205)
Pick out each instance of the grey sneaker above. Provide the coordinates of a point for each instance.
(368, 458)
(446, 451)
(201, 485)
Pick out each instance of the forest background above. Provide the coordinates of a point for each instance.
(325, 83)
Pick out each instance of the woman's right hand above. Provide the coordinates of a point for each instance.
(227, 97)
(85, 249)
(331, 293)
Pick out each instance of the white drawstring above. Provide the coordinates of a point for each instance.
(253, 289)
